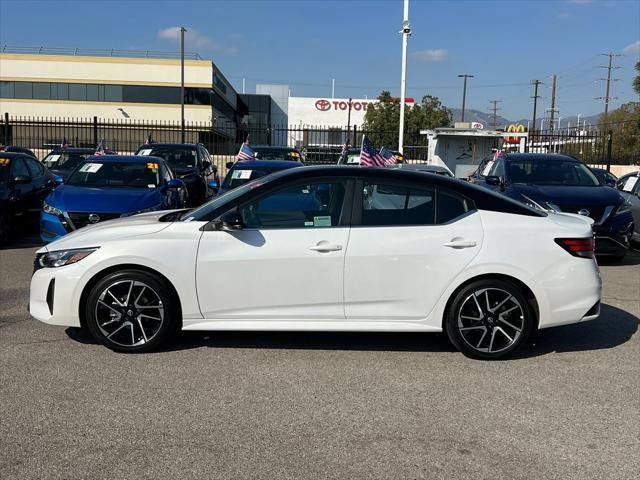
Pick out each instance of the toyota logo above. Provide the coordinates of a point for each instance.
(323, 105)
(93, 218)
(584, 212)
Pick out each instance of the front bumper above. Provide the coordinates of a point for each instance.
(51, 227)
(52, 295)
(613, 239)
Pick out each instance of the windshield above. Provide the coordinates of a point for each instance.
(241, 175)
(66, 161)
(5, 168)
(116, 174)
(276, 154)
(551, 172)
(176, 157)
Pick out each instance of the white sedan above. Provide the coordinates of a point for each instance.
(327, 249)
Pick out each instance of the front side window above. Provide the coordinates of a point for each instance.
(497, 169)
(309, 205)
(388, 205)
(116, 174)
(35, 168)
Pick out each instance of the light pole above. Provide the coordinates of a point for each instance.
(406, 31)
(464, 93)
(182, 30)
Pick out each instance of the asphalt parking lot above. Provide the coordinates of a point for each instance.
(273, 405)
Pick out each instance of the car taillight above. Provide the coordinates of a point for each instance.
(578, 247)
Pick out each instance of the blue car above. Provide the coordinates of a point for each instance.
(564, 184)
(243, 172)
(107, 187)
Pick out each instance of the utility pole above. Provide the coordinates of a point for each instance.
(607, 95)
(406, 31)
(553, 110)
(535, 97)
(182, 30)
(495, 111)
(333, 88)
(464, 93)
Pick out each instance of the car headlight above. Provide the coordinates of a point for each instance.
(51, 209)
(61, 258)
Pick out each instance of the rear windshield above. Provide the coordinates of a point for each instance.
(276, 154)
(176, 157)
(116, 174)
(65, 161)
(551, 172)
(241, 175)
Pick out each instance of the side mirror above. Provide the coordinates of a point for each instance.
(230, 164)
(58, 180)
(230, 221)
(492, 180)
(175, 183)
(206, 164)
(610, 183)
(21, 180)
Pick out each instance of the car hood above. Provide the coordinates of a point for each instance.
(70, 198)
(560, 195)
(120, 228)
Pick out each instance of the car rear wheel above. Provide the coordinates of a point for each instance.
(131, 311)
(490, 319)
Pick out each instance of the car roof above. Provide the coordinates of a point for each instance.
(11, 155)
(272, 147)
(125, 158)
(267, 163)
(78, 150)
(533, 157)
(168, 145)
(423, 167)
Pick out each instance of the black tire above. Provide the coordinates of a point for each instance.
(148, 297)
(492, 332)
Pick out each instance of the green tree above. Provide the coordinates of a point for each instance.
(624, 124)
(382, 120)
(636, 81)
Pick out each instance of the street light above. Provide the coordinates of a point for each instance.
(406, 31)
(464, 92)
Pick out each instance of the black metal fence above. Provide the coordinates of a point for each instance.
(321, 144)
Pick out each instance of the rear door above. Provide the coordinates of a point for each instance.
(407, 243)
(22, 196)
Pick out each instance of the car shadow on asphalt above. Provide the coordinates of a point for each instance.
(631, 258)
(614, 327)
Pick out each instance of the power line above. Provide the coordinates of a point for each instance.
(607, 95)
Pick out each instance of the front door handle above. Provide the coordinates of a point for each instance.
(326, 247)
(459, 242)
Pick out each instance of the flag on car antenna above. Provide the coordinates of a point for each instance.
(100, 149)
(388, 155)
(149, 140)
(246, 152)
(64, 143)
(369, 157)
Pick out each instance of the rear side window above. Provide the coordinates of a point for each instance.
(35, 168)
(450, 206)
(388, 205)
(19, 168)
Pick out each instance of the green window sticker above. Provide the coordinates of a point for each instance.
(324, 221)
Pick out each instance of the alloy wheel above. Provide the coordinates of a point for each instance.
(490, 320)
(129, 313)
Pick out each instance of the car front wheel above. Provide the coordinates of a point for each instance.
(131, 311)
(490, 319)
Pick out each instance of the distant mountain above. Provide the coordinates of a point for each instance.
(486, 118)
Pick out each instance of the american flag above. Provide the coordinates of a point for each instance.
(64, 143)
(497, 154)
(369, 157)
(245, 153)
(345, 147)
(149, 140)
(100, 149)
(388, 155)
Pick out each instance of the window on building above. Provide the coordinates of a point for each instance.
(41, 91)
(113, 93)
(7, 89)
(93, 93)
(23, 90)
(77, 91)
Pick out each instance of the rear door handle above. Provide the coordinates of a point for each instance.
(326, 247)
(458, 243)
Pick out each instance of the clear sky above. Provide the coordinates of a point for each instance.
(306, 43)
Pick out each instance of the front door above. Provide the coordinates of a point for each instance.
(406, 245)
(286, 263)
